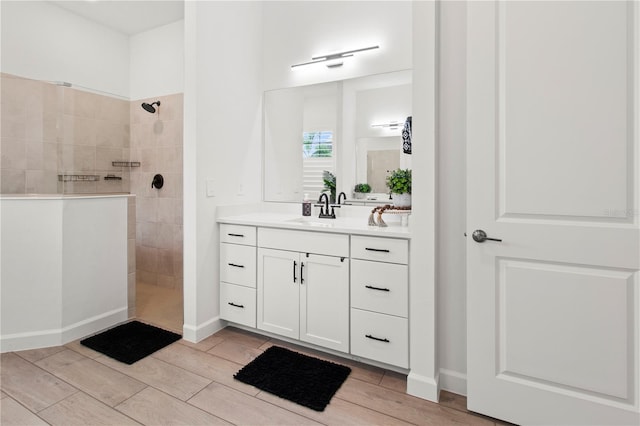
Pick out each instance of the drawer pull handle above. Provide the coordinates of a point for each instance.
(377, 288)
(375, 249)
(236, 266)
(368, 336)
(301, 273)
(294, 271)
(237, 306)
(235, 235)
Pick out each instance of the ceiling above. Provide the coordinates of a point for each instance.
(128, 17)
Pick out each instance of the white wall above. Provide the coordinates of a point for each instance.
(45, 42)
(451, 201)
(57, 283)
(294, 31)
(223, 134)
(156, 59)
(423, 378)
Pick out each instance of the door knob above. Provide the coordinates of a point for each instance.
(480, 236)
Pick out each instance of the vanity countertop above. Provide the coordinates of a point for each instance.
(341, 225)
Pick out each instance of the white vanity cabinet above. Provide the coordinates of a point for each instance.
(303, 286)
(380, 299)
(238, 274)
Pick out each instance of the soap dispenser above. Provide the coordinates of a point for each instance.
(306, 206)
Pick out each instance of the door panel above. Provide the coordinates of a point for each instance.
(324, 301)
(550, 111)
(552, 125)
(278, 292)
(556, 322)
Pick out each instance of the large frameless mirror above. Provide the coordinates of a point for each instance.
(336, 134)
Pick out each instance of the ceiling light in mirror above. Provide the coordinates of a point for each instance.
(391, 125)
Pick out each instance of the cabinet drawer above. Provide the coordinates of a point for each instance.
(238, 264)
(380, 287)
(304, 241)
(238, 234)
(380, 337)
(391, 250)
(238, 304)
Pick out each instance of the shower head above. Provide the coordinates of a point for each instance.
(150, 107)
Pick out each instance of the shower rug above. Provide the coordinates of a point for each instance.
(130, 342)
(305, 380)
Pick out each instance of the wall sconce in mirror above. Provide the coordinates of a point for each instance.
(334, 58)
(392, 125)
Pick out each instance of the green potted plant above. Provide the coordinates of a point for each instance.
(329, 181)
(361, 189)
(399, 184)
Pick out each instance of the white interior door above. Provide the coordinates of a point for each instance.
(553, 125)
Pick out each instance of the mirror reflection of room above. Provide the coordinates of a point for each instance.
(350, 130)
(380, 116)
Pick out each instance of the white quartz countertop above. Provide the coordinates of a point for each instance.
(342, 225)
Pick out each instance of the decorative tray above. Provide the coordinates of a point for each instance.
(387, 209)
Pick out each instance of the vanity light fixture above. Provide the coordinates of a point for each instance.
(333, 57)
(392, 125)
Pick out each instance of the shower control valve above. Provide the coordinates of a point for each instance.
(158, 181)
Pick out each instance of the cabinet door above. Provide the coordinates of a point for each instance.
(278, 292)
(324, 301)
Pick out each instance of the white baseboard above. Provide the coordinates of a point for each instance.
(92, 325)
(29, 340)
(422, 386)
(453, 381)
(202, 331)
(60, 336)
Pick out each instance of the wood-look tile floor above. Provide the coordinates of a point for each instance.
(193, 384)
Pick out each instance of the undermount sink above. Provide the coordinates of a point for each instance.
(307, 221)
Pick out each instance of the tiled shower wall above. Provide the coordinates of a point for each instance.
(156, 141)
(49, 130)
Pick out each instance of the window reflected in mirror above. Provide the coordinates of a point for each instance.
(317, 160)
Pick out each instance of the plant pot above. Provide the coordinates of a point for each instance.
(360, 195)
(401, 200)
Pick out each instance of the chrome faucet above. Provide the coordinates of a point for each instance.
(324, 208)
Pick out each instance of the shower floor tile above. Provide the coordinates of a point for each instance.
(160, 306)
